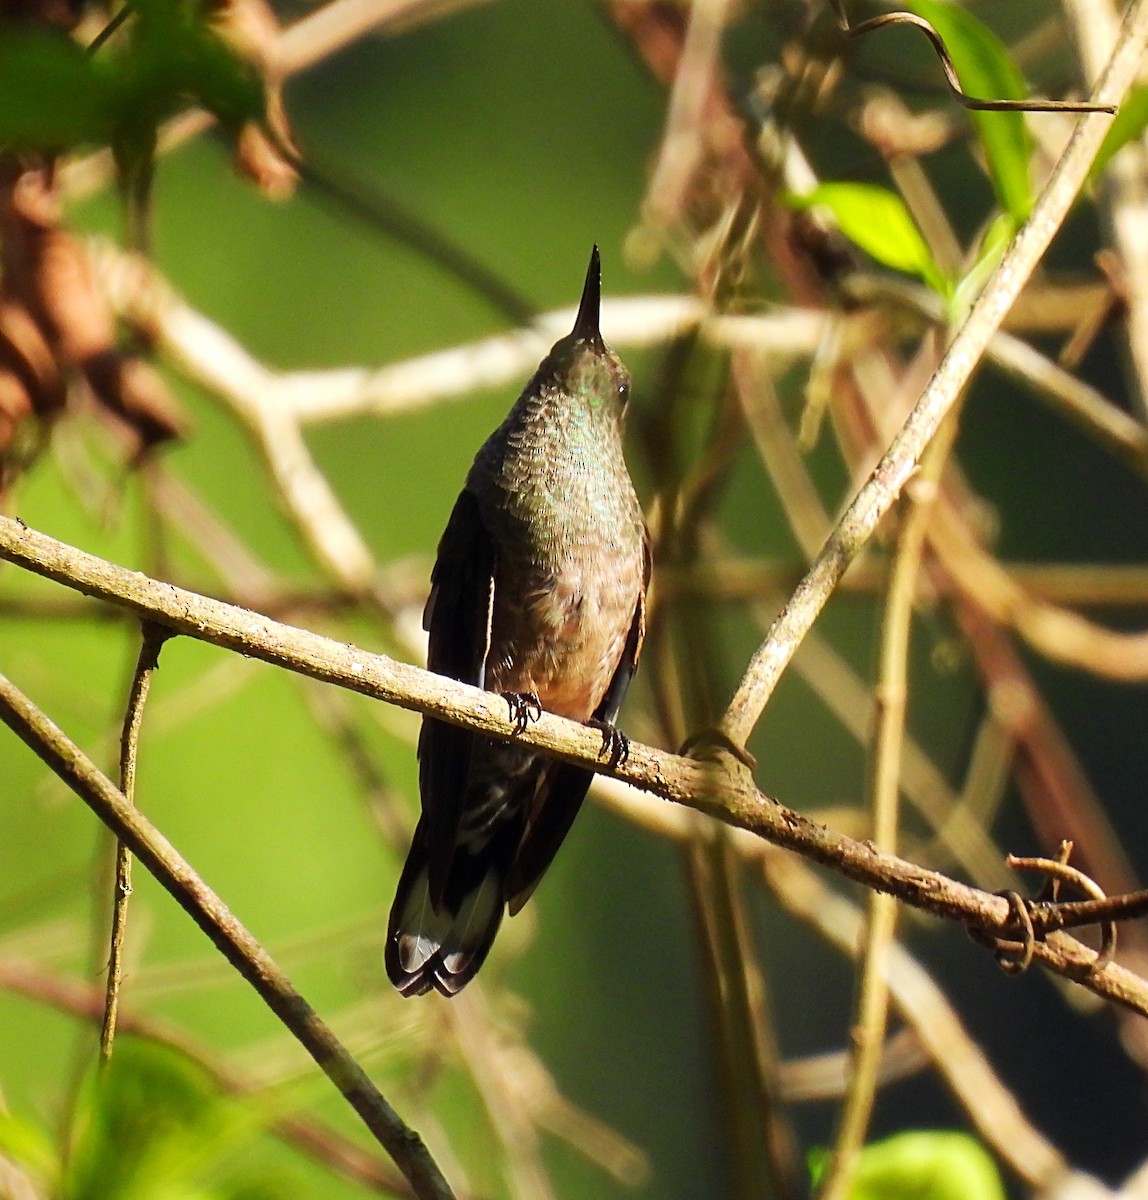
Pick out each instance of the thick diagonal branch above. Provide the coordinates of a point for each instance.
(721, 789)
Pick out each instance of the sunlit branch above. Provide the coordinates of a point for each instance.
(720, 788)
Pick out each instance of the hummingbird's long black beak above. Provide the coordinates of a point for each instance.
(586, 323)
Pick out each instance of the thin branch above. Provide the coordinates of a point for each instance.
(764, 1152)
(153, 638)
(824, 1075)
(961, 1062)
(730, 577)
(683, 137)
(764, 1157)
(211, 356)
(900, 461)
(109, 29)
(1070, 914)
(848, 697)
(719, 788)
(888, 739)
(838, 686)
(514, 1127)
(248, 957)
(1089, 409)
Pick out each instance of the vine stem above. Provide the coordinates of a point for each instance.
(153, 637)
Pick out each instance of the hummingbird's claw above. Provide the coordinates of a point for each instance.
(525, 707)
(615, 744)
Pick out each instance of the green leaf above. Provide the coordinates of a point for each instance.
(927, 1165)
(265, 1188)
(52, 95)
(878, 221)
(177, 56)
(1129, 123)
(147, 1126)
(30, 1147)
(987, 72)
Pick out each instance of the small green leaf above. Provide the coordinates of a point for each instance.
(987, 72)
(1128, 124)
(878, 221)
(30, 1147)
(146, 1127)
(927, 1165)
(176, 55)
(52, 95)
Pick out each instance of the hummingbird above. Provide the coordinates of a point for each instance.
(538, 593)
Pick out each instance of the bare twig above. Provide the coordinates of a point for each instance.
(961, 1063)
(888, 741)
(210, 355)
(514, 1128)
(1059, 871)
(1071, 914)
(1059, 635)
(1086, 407)
(152, 638)
(730, 577)
(763, 1148)
(683, 136)
(831, 678)
(1095, 26)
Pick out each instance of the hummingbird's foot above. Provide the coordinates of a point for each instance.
(615, 744)
(525, 707)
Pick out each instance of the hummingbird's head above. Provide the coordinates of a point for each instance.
(581, 364)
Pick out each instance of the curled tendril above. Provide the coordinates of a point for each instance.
(1058, 870)
(951, 78)
(1015, 957)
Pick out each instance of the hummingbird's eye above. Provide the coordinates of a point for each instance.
(624, 393)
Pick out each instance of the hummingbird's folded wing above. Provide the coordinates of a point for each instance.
(457, 617)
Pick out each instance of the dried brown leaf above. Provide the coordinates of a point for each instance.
(58, 321)
(265, 150)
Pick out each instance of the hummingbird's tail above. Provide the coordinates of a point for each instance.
(443, 946)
